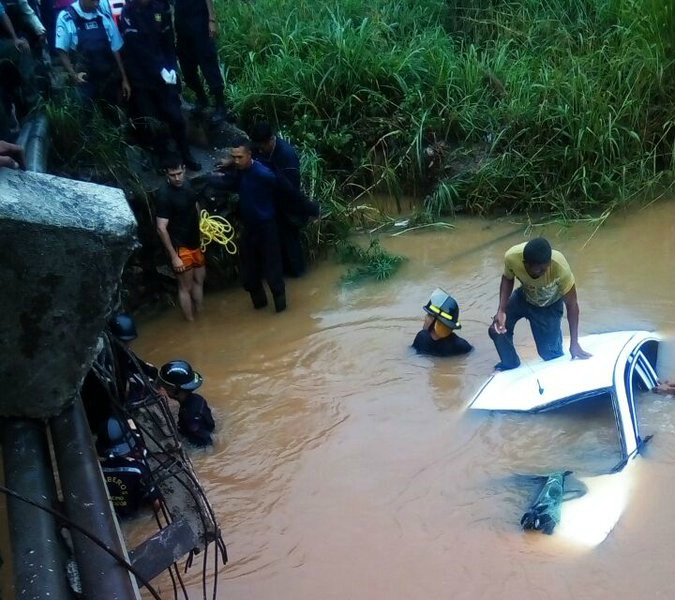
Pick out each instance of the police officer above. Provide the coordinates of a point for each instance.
(196, 28)
(294, 209)
(195, 421)
(91, 34)
(150, 60)
(258, 188)
(438, 337)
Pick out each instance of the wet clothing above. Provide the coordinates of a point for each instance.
(192, 258)
(540, 301)
(134, 375)
(545, 290)
(258, 188)
(453, 345)
(179, 206)
(93, 37)
(545, 322)
(195, 421)
(261, 259)
(129, 483)
(196, 50)
(292, 215)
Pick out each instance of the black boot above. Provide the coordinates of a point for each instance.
(280, 302)
(259, 298)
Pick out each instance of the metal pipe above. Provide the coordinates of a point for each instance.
(37, 147)
(34, 137)
(86, 502)
(38, 551)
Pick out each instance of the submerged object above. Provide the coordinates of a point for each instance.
(544, 514)
(623, 362)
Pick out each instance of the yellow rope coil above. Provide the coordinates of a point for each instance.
(216, 229)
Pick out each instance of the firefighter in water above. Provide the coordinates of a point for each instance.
(438, 337)
(195, 422)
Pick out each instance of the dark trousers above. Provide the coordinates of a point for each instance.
(545, 325)
(292, 252)
(101, 88)
(261, 258)
(151, 107)
(197, 51)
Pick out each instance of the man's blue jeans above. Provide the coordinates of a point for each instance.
(545, 325)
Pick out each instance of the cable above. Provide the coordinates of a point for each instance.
(215, 228)
(55, 513)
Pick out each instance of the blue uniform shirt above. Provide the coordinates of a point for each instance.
(66, 32)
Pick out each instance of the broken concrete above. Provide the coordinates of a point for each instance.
(64, 245)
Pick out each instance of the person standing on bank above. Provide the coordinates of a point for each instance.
(547, 283)
(437, 337)
(196, 29)
(92, 36)
(282, 158)
(150, 61)
(258, 188)
(177, 213)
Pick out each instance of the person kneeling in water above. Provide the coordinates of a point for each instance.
(438, 337)
(195, 421)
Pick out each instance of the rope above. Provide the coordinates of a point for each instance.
(215, 228)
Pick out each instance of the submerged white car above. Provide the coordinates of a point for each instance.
(623, 363)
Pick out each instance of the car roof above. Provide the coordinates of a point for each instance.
(543, 385)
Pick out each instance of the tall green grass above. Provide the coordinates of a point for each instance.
(549, 106)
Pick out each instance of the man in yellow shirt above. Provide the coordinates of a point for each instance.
(547, 283)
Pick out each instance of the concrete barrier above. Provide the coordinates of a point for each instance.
(64, 245)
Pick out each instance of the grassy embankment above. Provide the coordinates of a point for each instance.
(561, 107)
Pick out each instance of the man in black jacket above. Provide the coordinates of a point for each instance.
(294, 210)
(150, 62)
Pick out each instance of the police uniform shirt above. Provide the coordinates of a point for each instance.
(453, 345)
(66, 31)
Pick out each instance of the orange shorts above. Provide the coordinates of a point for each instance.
(192, 259)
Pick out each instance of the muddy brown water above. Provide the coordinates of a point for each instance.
(345, 466)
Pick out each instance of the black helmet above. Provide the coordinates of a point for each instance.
(121, 440)
(444, 307)
(179, 374)
(122, 326)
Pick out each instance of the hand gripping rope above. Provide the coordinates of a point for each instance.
(214, 228)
